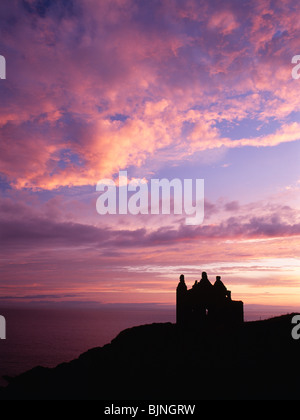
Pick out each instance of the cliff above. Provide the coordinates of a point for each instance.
(256, 360)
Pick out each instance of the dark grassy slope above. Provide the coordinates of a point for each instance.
(258, 360)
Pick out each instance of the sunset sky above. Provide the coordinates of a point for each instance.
(163, 89)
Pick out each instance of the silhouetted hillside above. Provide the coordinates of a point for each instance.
(257, 360)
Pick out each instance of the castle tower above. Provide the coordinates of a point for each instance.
(220, 290)
(181, 312)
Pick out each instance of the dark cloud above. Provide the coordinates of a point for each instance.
(232, 206)
(39, 296)
(40, 232)
(45, 8)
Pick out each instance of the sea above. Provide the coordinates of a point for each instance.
(50, 336)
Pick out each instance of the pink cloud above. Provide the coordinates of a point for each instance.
(104, 60)
(223, 21)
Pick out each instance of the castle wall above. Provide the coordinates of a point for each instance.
(206, 304)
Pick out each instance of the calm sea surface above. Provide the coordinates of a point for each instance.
(48, 337)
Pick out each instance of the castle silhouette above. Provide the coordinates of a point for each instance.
(207, 303)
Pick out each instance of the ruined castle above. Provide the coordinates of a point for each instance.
(207, 303)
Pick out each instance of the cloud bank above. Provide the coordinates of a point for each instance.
(95, 87)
